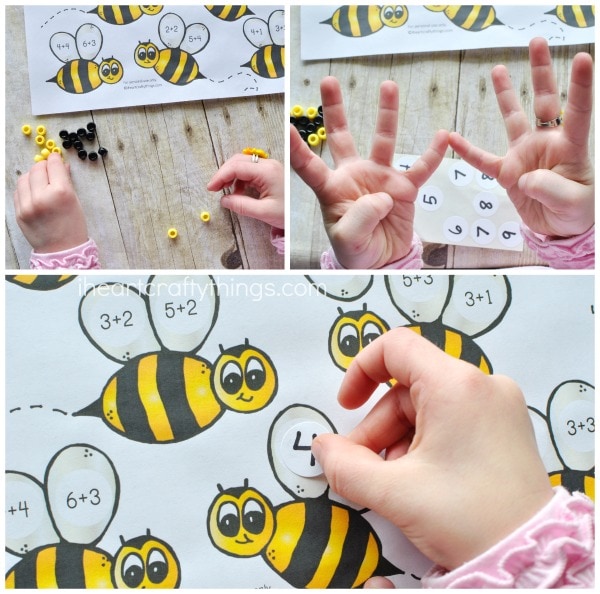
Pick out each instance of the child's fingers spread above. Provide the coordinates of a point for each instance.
(580, 100)
(384, 141)
(516, 121)
(485, 162)
(546, 102)
(339, 138)
(424, 167)
(312, 169)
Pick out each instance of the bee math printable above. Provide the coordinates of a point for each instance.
(98, 57)
(338, 31)
(158, 428)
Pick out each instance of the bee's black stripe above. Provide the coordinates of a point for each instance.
(573, 480)
(171, 71)
(170, 380)
(69, 569)
(25, 572)
(311, 544)
(353, 552)
(129, 406)
(464, 14)
(435, 333)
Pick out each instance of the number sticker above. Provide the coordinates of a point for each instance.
(510, 234)
(430, 198)
(483, 231)
(296, 448)
(456, 228)
(485, 182)
(485, 204)
(461, 173)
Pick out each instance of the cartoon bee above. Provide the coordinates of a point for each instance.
(81, 74)
(566, 436)
(175, 63)
(435, 306)
(360, 21)
(146, 562)
(56, 526)
(125, 14)
(576, 16)
(351, 332)
(40, 282)
(269, 60)
(469, 18)
(164, 392)
(311, 542)
(229, 12)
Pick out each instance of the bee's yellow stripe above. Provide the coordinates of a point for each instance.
(226, 10)
(45, 564)
(97, 570)
(453, 344)
(579, 16)
(269, 61)
(484, 366)
(109, 405)
(158, 421)
(201, 400)
(26, 279)
(353, 20)
(293, 517)
(74, 74)
(180, 67)
(9, 582)
(589, 486)
(374, 16)
(468, 23)
(340, 521)
(369, 562)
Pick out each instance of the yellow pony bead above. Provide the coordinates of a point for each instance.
(172, 233)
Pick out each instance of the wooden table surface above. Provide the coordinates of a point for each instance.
(450, 90)
(160, 159)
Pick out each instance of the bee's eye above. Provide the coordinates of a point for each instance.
(255, 374)
(370, 332)
(132, 570)
(105, 69)
(348, 340)
(232, 378)
(254, 516)
(142, 54)
(228, 519)
(151, 53)
(158, 568)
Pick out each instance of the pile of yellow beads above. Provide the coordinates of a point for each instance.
(47, 146)
(309, 124)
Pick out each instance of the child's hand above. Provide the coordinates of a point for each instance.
(547, 171)
(47, 208)
(461, 469)
(257, 188)
(368, 206)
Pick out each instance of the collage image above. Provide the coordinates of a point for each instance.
(299, 296)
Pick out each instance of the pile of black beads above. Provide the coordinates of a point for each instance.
(309, 124)
(74, 140)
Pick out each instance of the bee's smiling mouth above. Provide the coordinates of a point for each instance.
(245, 541)
(247, 399)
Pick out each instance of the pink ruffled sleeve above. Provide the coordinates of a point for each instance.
(81, 257)
(412, 261)
(578, 252)
(555, 549)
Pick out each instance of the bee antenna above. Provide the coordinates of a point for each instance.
(340, 311)
(221, 348)
(364, 307)
(148, 532)
(245, 483)
(220, 488)
(247, 342)
(122, 539)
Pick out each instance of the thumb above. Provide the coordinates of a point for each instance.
(352, 471)
(364, 214)
(555, 192)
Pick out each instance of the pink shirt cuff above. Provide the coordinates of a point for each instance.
(278, 239)
(412, 261)
(555, 549)
(81, 257)
(577, 252)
